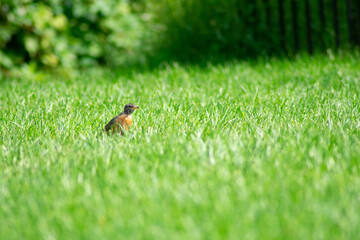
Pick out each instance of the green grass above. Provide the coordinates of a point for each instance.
(261, 150)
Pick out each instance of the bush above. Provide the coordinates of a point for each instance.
(192, 29)
(68, 32)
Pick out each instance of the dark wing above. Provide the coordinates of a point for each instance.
(112, 122)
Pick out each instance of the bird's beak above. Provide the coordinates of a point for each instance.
(135, 107)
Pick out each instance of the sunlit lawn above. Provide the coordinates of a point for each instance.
(261, 150)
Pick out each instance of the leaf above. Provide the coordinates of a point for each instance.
(31, 45)
(59, 22)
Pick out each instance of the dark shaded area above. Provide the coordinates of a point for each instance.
(268, 14)
(350, 21)
(295, 26)
(336, 23)
(357, 22)
(322, 23)
(281, 25)
(137, 32)
(308, 27)
(286, 27)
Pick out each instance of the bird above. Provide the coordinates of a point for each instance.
(122, 121)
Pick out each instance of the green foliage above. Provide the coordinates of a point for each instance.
(262, 150)
(68, 33)
(188, 29)
(192, 29)
(121, 32)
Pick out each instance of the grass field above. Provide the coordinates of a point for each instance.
(259, 150)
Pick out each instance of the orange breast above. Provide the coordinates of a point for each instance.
(125, 121)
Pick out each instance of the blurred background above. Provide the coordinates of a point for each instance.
(87, 33)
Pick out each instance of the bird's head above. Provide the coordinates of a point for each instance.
(130, 108)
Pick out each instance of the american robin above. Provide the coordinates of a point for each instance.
(122, 121)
